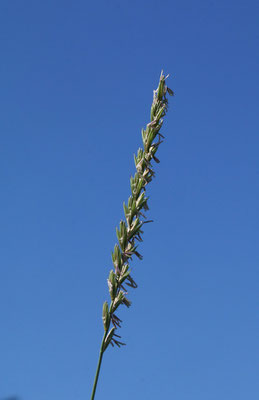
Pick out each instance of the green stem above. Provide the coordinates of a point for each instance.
(101, 352)
(98, 367)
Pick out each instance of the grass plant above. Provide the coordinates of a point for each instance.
(130, 230)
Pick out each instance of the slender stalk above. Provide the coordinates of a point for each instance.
(98, 367)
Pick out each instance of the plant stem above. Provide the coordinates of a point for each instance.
(98, 367)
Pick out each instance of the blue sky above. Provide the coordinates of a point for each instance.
(76, 88)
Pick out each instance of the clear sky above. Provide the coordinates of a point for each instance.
(76, 82)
